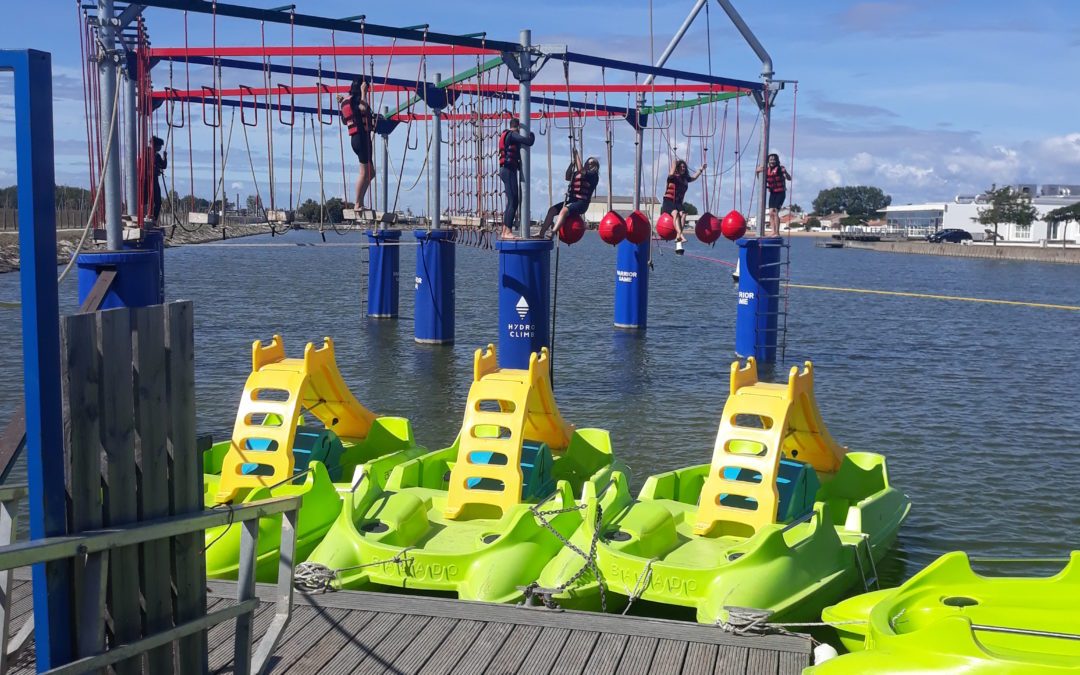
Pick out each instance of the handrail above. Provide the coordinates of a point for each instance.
(36, 551)
(93, 546)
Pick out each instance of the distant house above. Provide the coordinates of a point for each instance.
(623, 205)
(832, 221)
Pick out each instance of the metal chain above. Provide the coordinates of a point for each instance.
(311, 577)
(589, 558)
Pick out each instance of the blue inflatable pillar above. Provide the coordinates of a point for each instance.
(384, 263)
(435, 262)
(632, 285)
(759, 298)
(524, 299)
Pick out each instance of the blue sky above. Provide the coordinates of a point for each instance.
(924, 99)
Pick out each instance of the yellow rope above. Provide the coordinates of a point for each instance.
(931, 296)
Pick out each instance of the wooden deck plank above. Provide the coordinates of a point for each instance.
(731, 660)
(576, 653)
(513, 651)
(415, 655)
(606, 654)
(638, 653)
(793, 664)
(668, 658)
(306, 627)
(545, 652)
(406, 632)
(358, 648)
(480, 655)
(445, 659)
(762, 661)
(700, 659)
(320, 652)
(221, 652)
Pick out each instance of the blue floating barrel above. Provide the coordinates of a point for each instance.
(383, 268)
(137, 282)
(632, 285)
(153, 239)
(759, 298)
(524, 299)
(436, 258)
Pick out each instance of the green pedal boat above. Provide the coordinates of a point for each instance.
(273, 453)
(480, 519)
(948, 619)
(783, 519)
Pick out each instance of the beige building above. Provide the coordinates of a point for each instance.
(623, 205)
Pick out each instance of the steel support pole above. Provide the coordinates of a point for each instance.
(763, 159)
(131, 162)
(639, 137)
(107, 63)
(435, 165)
(525, 116)
(385, 172)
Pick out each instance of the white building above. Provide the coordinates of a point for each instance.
(962, 211)
(623, 205)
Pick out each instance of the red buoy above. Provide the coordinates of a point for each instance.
(638, 229)
(665, 227)
(572, 229)
(707, 228)
(612, 228)
(733, 226)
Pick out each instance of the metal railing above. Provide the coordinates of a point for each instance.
(92, 548)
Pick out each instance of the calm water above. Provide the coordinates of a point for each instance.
(976, 406)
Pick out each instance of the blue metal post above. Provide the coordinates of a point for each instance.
(436, 259)
(383, 267)
(759, 298)
(632, 285)
(41, 345)
(524, 299)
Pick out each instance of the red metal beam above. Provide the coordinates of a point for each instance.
(181, 94)
(321, 50)
(550, 115)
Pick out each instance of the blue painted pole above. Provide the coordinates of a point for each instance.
(524, 299)
(436, 259)
(52, 586)
(632, 285)
(759, 298)
(384, 264)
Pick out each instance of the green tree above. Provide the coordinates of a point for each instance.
(1064, 215)
(334, 207)
(690, 209)
(309, 211)
(1006, 206)
(856, 200)
(811, 223)
(795, 208)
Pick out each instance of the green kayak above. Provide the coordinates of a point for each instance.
(274, 453)
(782, 519)
(480, 518)
(948, 619)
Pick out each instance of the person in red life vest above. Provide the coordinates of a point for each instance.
(161, 162)
(510, 143)
(583, 181)
(776, 178)
(357, 116)
(677, 181)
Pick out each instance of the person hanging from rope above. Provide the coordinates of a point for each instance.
(510, 143)
(358, 118)
(161, 162)
(776, 177)
(678, 181)
(583, 179)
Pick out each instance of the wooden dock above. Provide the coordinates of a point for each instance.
(358, 632)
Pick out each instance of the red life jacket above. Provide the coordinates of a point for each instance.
(509, 152)
(580, 187)
(774, 179)
(355, 120)
(676, 188)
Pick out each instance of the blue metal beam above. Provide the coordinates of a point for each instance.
(52, 586)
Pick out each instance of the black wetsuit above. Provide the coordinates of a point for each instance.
(160, 164)
(510, 143)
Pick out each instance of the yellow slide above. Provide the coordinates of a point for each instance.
(505, 408)
(761, 423)
(276, 393)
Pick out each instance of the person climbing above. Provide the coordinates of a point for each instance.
(161, 162)
(776, 177)
(510, 143)
(358, 118)
(583, 179)
(677, 181)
